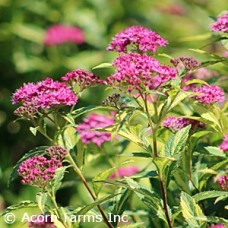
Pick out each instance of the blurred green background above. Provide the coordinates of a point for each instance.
(24, 58)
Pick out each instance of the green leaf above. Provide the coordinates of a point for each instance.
(137, 154)
(37, 151)
(101, 176)
(128, 102)
(23, 204)
(57, 180)
(103, 65)
(176, 142)
(135, 225)
(196, 81)
(83, 110)
(97, 202)
(225, 43)
(181, 179)
(215, 151)
(33, 130)
(213, 219)
(209, 194)
(191, 211)
(41, 199)
(80, 155)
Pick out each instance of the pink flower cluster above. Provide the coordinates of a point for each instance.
(221, 25)
(209, 94)
(136, 71)
(42, 221)
(87, 131)
(223, 182)
(217, 226)
(45, 94)
(124, 172)
(38, 170)
(56, 152)
(83, 78)
(59, 34)
(142, 38)
(189, 63)
(176, 123)
(224, 145)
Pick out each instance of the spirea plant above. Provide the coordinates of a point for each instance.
(177, 118)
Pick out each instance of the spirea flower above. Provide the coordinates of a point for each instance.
(124, 172)
(217, 226)
(56, 152)
(27, 111)
(135, 71)
(189, 63)
(45, 94)
(83, 78)
(87, 131)
(177, 123)
(209, 94)
(42, 221)
(59, 34)
(223, 182)
(224, 145)
(38, 170)
(221, 24)
(142, 38)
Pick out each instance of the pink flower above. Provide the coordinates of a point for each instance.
(45, 94)
(38, 170)
(140, 37)
(42, 221)
(223, 182)
(189, 63)
(59, 34)
(221, 25)
(56, 152)
(224, 145)
(209, 94)
(217, 226)
(87, 131)
(135, 71)
(83, 78)
(124, 172)
(177, 123)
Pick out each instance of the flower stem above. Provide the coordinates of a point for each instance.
(78, 171)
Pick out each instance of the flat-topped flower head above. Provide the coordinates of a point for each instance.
(141, 38)
(136, 71)
(38, 170)
(224, 145)
(56, 152)
(221, 24)
(209, 94)
(87, 129)
(177, 123)
(124, 172)
(45, 94)
(187, 62)
(59, 34)
(83, 78)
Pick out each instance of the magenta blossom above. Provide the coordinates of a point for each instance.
(56, 152)
(217, 226)
(59, 34)
(177, 123)
(142, 38)
(45, 94)
(42, 221)
(135, 71)
(223, 182)
(209, 94)
(221, 25)
(87, 129)
(124, 172)
(224, 145)
(83, 78)
(38, 170)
